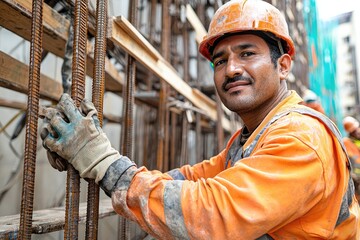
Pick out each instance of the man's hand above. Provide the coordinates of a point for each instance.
(69, 130)
(75, 135)
(55, 160)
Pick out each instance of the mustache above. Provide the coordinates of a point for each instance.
(234, 79)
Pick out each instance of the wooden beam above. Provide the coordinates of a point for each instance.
(111, 118)
(14, 75)
(136, 36)
(195, 22)
(49, 220)
(129, 39)
(16, 17)
(13, 104)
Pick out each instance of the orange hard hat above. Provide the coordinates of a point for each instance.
(350, 124)
(246, 15)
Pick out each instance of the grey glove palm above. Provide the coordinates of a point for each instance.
(75, 135)
(55, 160)
(73, 130)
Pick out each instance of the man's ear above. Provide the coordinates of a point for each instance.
(284, 64)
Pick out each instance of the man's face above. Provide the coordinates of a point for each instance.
(244, 75)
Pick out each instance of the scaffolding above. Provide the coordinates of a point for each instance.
(148, 66)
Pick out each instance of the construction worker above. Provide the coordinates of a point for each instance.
(312, 100)
(351, 126)
(284, 175)
(352, 144)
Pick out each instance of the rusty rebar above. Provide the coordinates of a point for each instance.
(184, 140)
(99, 57)
(163, 95)
(32, 121)
(92, 214)
(219, 128)
(186, 79)
(77, 93)
(79, 54)
(128, 103)
(173, 142)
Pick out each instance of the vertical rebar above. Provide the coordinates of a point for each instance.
(152, 20)
(198, 147)
(173, 140)
(32, 121)
(166, 140)
(200, 138)
(77, 93)
(92, 213)
(184, 140)
(127, 129)
(150, 79)
(186, 125)
(128, 103)
(219, 127)
(79, 54)
(128, 96)
(165, 47)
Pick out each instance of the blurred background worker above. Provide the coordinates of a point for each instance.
(312, 100)
(283, 175)
(352, 144)
(351, 126)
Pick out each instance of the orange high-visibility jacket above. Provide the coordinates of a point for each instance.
(316, 106)
(290, 181)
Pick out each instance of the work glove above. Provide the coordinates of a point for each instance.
(75, 135)
(55, 160)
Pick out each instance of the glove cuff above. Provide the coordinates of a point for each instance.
(95, 157)
(114, 173)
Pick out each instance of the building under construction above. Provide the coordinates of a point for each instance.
(139, 63)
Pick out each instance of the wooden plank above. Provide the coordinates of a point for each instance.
(201, 95)
(49, 220)
(195, 22)
(121, 37)
(16, 17)
(111, 118)
(12, 104)
(14, 75)
(134, 34)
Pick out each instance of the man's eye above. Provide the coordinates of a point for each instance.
(218, 62)
(247, 54)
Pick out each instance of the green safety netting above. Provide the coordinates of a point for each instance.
(322, 61)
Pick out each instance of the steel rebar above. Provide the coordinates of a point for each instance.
(32, 121)
(77, 93)
(92, 213)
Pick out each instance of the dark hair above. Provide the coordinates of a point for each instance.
(270, 39)
(275, 53)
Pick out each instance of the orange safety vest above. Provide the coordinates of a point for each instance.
(290, 180)
(316, 106)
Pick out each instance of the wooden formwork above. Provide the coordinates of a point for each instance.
(161, 99)
(176, 101)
